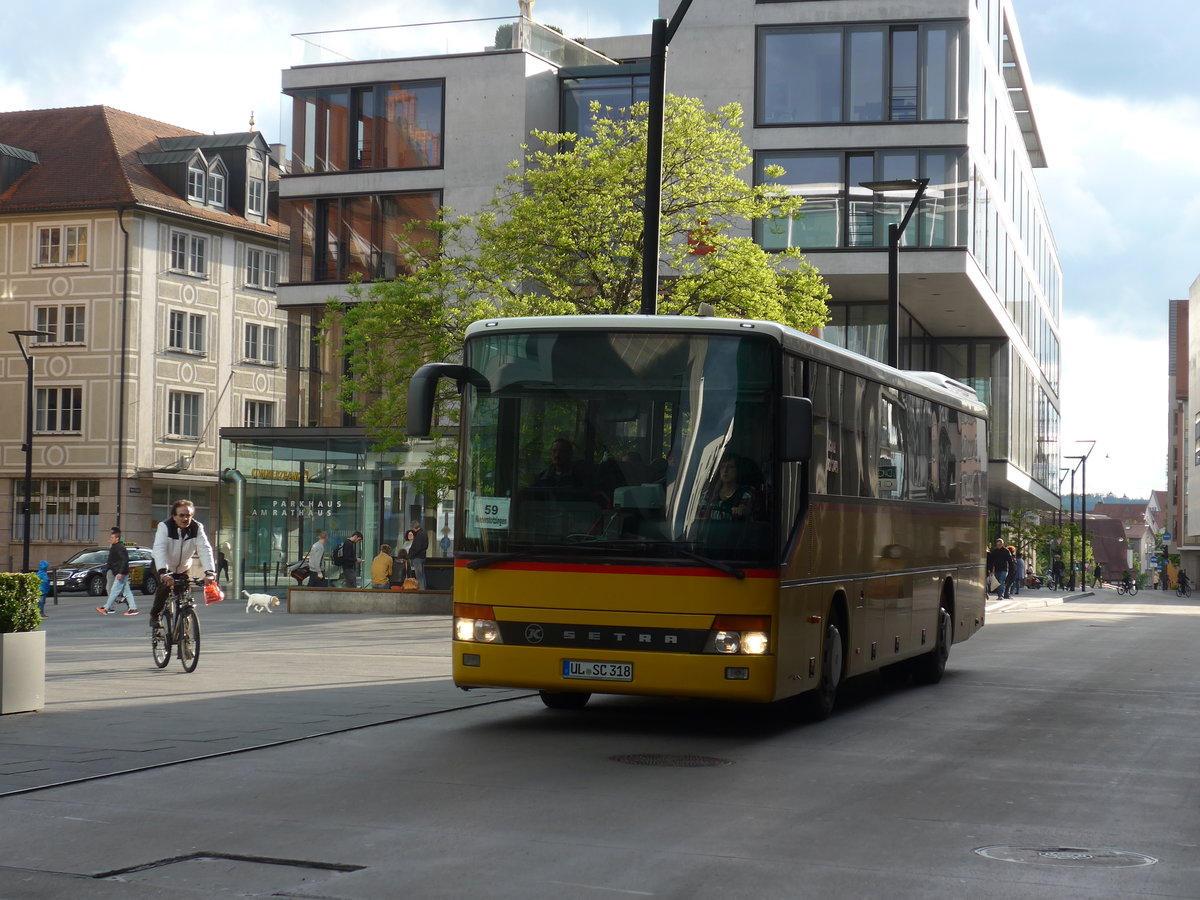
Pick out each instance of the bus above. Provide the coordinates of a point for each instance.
(701, 507)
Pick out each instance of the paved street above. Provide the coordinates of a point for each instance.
(262, 679)
(1066, 732)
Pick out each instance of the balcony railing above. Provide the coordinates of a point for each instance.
(441, 39)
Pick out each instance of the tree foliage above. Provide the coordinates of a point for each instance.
(563, 235)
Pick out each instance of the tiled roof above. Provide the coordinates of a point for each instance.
(89, 159)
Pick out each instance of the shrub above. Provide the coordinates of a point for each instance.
(19, 596)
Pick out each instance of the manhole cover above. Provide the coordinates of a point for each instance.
(1101, 857)
(672, 760)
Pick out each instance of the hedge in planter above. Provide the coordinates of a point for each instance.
(19, 596)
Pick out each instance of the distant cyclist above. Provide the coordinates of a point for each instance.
(175, 542)
(1184, 582)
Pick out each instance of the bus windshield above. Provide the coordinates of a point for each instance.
(589, 444)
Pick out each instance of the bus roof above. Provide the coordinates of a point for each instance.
(932, 385)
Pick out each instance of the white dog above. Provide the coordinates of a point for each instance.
(260, 602)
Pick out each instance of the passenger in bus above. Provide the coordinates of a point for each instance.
(733, 498)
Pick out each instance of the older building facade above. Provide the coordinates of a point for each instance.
(147, 256)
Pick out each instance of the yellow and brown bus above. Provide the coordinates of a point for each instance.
(704, 507)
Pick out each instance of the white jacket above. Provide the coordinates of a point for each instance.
(174, 547)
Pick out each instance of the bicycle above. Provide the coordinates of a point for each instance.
(1129, 588)
(1183, 590)
(179, 627)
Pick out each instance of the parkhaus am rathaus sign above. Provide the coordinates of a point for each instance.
(293, 507)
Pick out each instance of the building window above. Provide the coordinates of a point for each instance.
(62, 324)
(189, 254)
(259, 414)
(860, 73)
(216, 189)
(334, 238)
(185, 331)
(59, 510)
(183, 415)
(262, 269)
(195, 183)
(380, 126)
(58, 409)
(62, 245)
(615, 94)
(839, 212)
(254, 197)
(260, 344)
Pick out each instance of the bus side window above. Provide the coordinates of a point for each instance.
(819, 462)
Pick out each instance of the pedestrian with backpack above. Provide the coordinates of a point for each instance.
(346, 556)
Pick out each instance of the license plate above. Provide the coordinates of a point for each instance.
(597, 671)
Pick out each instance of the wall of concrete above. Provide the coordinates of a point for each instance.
(365, 601)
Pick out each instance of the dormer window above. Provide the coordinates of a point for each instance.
(196, 183)
(256, 185)
(216, 189)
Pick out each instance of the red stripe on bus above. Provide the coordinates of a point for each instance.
(460, 563)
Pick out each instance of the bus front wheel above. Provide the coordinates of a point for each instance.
(819, 702)
(564, 699)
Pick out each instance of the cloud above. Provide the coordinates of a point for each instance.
(1122, 192)
(1114, 391)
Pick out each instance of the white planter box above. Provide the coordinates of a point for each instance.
(22, 671)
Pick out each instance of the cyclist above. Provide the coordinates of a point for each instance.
(175, 542)
(1126, 580)
(1184, 582)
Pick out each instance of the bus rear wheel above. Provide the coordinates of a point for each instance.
(929, 668)
(819, 703)
(564, 699)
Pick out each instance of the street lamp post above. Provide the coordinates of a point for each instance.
(1082, 462)
(895, 232)
(660, 36)
(28, 445)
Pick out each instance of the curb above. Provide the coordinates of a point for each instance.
(1041, 602)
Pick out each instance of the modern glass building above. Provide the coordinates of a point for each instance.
(389, 124)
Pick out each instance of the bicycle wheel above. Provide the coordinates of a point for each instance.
(1133, 589)
(160, 641)
(189, 640)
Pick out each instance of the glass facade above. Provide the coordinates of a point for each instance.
(612, 92)
(839, 212)
(334, 238)
(298, 482)
(376, 126)
(860, 73)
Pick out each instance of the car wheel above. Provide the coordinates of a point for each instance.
(149, 582)
(96, 586)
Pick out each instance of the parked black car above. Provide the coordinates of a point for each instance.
(85, 571)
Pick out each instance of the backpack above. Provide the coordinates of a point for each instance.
(341, 557)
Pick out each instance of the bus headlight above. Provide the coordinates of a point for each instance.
(727, 641)
(476, 623)
(747, 635)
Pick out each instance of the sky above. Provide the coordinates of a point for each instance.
(1114, 95)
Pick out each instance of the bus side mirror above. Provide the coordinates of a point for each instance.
(422, 389)
(797, 429)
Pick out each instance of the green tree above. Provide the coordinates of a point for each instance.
(563, 235)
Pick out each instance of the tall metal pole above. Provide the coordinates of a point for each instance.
(652, 209)
(28, 448)
(1071, 532)
(893, 318)
(28, 445)
(660, 36)
(1083, 515)
(895, 232)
